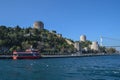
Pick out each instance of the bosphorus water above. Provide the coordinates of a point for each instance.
(80, 68)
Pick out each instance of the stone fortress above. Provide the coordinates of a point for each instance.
(94, 46)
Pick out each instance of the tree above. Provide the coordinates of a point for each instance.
(102, 49)
(54, 31)
(19, 39)
(85, 44)
(17, 28)
(111, 50)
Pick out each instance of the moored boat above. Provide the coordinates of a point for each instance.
(28, 54)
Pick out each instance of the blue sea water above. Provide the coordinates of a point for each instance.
(80, 68)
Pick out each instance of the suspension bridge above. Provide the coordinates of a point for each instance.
(109, 40)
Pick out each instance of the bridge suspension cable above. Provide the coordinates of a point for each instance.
(108, 38)
(111, 38)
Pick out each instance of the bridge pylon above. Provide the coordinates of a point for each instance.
(101, 41)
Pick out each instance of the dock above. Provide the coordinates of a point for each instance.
(5, 56)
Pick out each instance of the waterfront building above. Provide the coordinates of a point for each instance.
(95, 46)
(38, 25)
(83, 38)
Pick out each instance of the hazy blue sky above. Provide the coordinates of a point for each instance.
(68, 17)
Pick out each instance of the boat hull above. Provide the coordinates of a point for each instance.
(26, 57)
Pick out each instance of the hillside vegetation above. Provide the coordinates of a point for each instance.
(20, 39)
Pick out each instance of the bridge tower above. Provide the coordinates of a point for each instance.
(101, 41)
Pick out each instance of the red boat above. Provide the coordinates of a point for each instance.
(28, 54)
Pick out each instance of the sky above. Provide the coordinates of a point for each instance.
(71, 18)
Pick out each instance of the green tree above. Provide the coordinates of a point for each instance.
(111, 50)
(85, 44)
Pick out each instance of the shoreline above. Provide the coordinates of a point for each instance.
(75, 55)
(63, 56)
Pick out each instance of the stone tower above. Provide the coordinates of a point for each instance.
(83, 38)
(95, 46)
(38, 25)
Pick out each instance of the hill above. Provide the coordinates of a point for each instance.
(20, 39)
